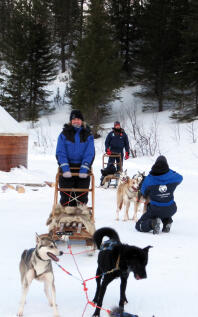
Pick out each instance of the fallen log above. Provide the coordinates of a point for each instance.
(26, 184)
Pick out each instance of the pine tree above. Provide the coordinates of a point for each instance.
(5, 16)
(96, 72)
(159, 48)
(14, 49)
(66, 16)
(187, 75)
(124, 15)
(30, 61)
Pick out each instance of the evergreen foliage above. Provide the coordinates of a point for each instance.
(30, 61)
(96, 71)
(187, 75)
(159, 47)
(66, 27)
(151, 43)
(124, 15)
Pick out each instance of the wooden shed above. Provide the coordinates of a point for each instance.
(13, 142)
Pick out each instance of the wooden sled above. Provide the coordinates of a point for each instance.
(77, 232)
(111, 179)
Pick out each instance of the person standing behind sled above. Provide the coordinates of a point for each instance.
(116, 141)
(159, 187)
(75, 148)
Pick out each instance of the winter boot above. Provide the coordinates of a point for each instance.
(167, 224)
(155, 224)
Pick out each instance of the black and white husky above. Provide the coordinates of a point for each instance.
(36, 264)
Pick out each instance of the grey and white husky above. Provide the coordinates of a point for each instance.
(36, 264)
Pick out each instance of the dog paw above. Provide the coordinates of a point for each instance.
(20, 313)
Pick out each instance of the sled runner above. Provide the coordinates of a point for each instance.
(111, 179)
(74, 222)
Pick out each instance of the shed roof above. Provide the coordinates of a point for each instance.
(8, 125)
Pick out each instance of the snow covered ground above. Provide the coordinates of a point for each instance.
(171, 287)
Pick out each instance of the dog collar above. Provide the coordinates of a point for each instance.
(38, 256)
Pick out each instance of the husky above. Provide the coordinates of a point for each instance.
(36, 264)
(116, 259)
(122, 177)
(129, 191)
(141, 199)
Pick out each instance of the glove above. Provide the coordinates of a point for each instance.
(83, 175)
(108, 151)
(126, 155)
(67, 174)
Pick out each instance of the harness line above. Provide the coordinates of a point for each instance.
(85, 289)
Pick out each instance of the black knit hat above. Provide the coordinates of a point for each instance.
(76, 114)
(160, 167)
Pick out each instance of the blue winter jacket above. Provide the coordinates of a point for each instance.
(116, 142)
(75, 146)
(160, 188)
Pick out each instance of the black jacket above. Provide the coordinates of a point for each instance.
(117, 141)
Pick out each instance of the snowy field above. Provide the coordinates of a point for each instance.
(170, 289)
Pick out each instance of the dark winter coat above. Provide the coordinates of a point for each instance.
(75, 146)
(160, 188)
(117, 141)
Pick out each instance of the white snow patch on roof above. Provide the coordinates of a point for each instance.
(8, 125)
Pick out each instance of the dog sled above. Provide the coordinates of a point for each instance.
(111, 179)
(73, 222)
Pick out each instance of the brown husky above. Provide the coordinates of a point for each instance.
(36, 264)
(127, 192)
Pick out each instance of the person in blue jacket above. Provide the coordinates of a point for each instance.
(116, 141)
(159, 187)
(75, 148)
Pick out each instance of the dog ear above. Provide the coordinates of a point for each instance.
(50, 235)
(128, 179)
(38, 239)
(146, 249)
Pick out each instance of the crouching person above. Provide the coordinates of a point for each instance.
(159, 186)
(75, 148)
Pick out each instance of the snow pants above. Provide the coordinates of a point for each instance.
(165, 213)
(73, 198)
(112, 160)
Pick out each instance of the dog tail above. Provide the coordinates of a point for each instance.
(102, 232)
(120, 313)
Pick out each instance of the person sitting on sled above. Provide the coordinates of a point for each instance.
(116, 141)
(159, 187)
(75, 148)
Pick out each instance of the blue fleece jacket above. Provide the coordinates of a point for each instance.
(160, 188)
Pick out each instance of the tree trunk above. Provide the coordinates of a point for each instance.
(63, 68)
(196, 99)
(81, 18)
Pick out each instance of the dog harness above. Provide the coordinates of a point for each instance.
(27, 256)
(108, 245)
